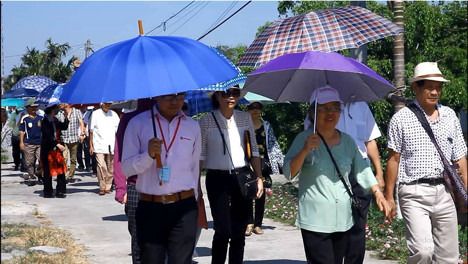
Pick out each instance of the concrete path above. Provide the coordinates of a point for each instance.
(100, 224)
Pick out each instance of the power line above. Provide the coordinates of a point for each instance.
(177, 21)
(164, 23)
(233, 14)
(231, 6)
(190, 18)
(19, 55)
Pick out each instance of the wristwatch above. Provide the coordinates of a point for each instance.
(378, 190)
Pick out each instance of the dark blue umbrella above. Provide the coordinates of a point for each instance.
(50, 95)
(19, 93)
(34, 82)
(146, 66)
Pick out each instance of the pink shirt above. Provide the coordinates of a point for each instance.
(183, 158)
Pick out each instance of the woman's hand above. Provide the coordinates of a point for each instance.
(259, 188)
(382, 203)
(61, 147)
(312, 142)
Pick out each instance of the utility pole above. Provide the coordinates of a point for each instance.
(359, 54)
(88, 48)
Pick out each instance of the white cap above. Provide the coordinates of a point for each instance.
(427, 71)
(325, 95)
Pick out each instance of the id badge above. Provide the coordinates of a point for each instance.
(165, 173)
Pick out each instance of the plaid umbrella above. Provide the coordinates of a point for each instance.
(197, 106)
(37, 83)
(324, 30)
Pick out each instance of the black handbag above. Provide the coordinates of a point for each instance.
(356, 206)
(244, 176)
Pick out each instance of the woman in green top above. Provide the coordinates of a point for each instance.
(325, 214)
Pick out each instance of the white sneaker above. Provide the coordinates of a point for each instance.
(195, 254)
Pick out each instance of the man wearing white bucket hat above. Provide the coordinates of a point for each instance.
(426, 205)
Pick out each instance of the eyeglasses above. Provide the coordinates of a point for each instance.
(177, 96)
(329, 109)
(254, 107)
(231, 93)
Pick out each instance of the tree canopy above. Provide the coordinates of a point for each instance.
(48, 63)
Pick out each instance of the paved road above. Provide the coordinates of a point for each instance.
(99, 223)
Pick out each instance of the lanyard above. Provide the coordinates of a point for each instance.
(173, 137)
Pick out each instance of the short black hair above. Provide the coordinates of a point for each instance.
(214, 101)
(49, 109)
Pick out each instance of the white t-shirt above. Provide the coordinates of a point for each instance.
(104, 126)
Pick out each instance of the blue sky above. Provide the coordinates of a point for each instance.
(30, 24)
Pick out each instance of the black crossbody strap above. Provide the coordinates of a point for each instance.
(336, 167)
(422, 119)
(224, 141)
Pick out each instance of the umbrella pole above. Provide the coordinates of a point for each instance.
(315, 117)
(158, 156)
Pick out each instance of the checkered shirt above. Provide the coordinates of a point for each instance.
(419, 157)
(73, 132)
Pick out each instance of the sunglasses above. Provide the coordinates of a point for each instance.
(231, 93)
(177, 96)
(254, 107)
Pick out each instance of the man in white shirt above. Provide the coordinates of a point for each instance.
(167, 213)
(102, 129)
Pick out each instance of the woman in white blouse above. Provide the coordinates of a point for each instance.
(228, 207)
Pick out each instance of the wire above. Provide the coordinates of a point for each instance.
(233, 14)
(71, 53)
(193, 9)
(164, 23)
(190, 18)
(234, 3)
(10, 56)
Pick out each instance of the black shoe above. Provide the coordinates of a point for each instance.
(71, 180)
(60, 195)
(31, 183)
(16, 168)
(80, 169)
(48, 196)
(88, 169)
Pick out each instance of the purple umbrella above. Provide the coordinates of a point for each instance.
(293, 77)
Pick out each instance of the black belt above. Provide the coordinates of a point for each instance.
(429, 181)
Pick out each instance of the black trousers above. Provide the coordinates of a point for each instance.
(357, 237)
(167, 229)
(16, 151)
(259, 211)
(324, 248)
(230, 213)
(87, 157)
(47, 179)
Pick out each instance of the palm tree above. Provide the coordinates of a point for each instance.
(398, 55)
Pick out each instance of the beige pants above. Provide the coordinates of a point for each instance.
(71, 149)
(31, 154)
(431, 223)
(105, 170)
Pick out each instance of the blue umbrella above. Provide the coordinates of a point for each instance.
(50, 95)
(146, 66)
(17, 102)
(34, 82)
(19, 93)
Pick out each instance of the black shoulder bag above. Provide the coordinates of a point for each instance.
(356, 205)
(451, 174)
(244, 176)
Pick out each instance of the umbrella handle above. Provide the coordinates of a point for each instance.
(158, 156)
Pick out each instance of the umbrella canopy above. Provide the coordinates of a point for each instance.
(50, 95)
(324, 30)
(34, 82)
(144, 67)
(20, 92)
(197, 106)
(17, 102)
(293, 77)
